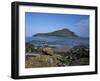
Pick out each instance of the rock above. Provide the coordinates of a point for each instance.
(41, 61)
(47, 50)
(78, 52)
(45, 59)
(78, 55)
(29, 48)
(81, 61)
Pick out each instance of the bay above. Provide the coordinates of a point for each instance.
(57, 41)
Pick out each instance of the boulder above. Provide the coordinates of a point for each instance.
(47, 50)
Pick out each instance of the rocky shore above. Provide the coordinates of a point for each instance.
(45, 56)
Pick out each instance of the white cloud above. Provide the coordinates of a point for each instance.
(83, 23)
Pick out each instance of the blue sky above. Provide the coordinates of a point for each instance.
(46, 22)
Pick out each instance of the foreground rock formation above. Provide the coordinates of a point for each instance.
(45, 56)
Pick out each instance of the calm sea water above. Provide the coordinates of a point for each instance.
(58, 41)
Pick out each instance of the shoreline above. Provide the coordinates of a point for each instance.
(60, 49)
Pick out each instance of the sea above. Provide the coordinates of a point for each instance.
(57, 41)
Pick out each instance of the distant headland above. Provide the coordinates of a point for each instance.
(59, 33)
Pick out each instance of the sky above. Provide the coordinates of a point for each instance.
(47, 22)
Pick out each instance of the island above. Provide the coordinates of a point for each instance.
(59, 33)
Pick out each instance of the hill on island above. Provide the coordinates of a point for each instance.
(61, 33)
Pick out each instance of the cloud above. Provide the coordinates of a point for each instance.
(82, 27)
(83, 23)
